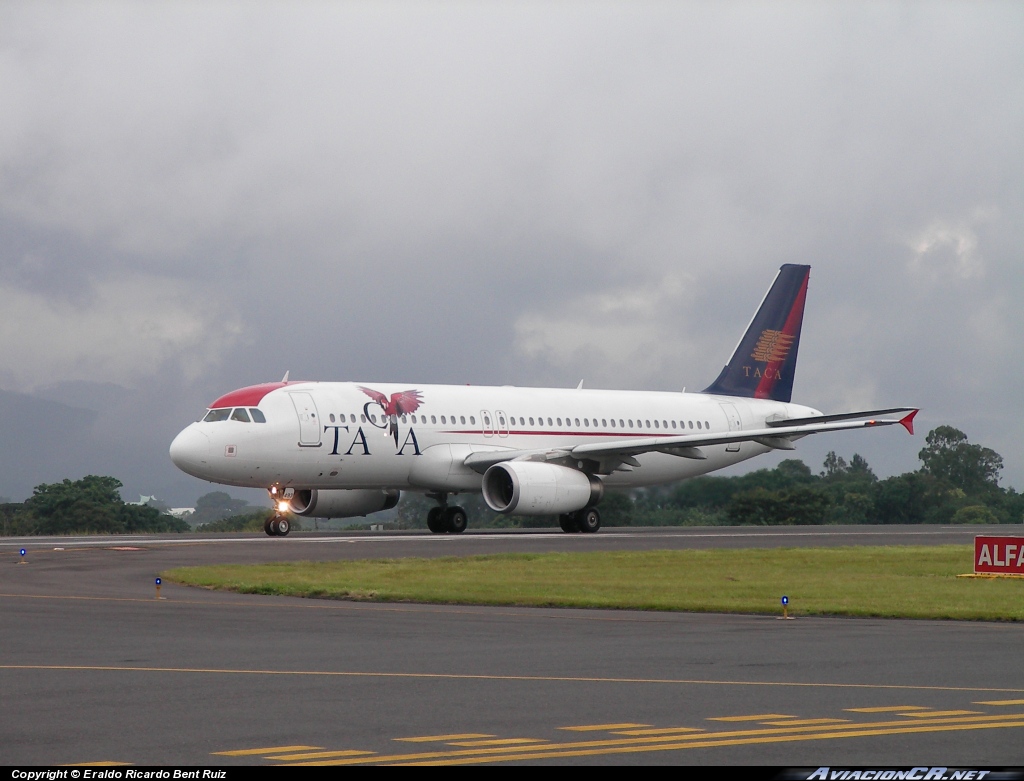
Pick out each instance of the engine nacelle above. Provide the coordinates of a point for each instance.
(536, 488)
(341, 503)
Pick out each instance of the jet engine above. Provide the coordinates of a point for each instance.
(536, 488)
(341, 503)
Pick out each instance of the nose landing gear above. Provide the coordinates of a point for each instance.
(277, 526)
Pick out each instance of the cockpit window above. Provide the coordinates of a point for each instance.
(216, 415)
(240, 415)
(257, 415)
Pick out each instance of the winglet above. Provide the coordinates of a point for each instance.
(908, 421)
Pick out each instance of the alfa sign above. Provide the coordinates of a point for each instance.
(999, 555)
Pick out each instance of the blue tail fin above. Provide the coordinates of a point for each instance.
(764, 363)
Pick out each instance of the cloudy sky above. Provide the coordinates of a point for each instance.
(197, 197)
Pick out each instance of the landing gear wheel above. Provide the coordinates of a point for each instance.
(435, 522)
(588, 520)
(568, 523)
(455, 519)
(269, 527)
(283, 527)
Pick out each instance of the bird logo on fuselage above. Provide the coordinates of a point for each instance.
(400, 403)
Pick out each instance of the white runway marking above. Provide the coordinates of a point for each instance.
(107, 542)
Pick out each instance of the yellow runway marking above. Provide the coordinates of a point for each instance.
(757, 717)
(1001, 702)
(802, 722)
(321, 755)
(937, 713)
(519, 678)
(678, 742)
(499, 742)
(706, 744)
(251, 752)
(104, 763)
(600, 727)
(442, 738)
(658, 731)
(887, 709)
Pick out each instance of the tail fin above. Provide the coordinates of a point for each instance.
(764, 363)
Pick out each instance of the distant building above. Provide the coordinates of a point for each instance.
(174, 512)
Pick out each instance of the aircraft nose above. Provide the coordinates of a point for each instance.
(190, 451)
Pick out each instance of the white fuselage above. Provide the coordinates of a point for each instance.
(333, 435)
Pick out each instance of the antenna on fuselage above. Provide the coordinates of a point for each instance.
(580, 386)
(285, 378)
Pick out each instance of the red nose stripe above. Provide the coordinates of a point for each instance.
(247, 397)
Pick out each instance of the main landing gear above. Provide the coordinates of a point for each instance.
(277, 526)
(443, 518)
(586, 520)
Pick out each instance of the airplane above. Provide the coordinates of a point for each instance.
(347, 449)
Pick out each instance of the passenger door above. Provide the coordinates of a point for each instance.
(309, 421)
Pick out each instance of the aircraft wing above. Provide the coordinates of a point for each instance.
(778, 434)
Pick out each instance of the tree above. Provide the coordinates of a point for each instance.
(92, 504)
(216, 505)
(835, 466)
(801, 505)
(948, 456)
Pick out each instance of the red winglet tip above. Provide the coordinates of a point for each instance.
(908, 421)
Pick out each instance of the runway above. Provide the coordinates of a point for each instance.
(95, 669)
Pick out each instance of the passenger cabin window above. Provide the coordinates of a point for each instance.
(462, 419)
(257, 415)
(216, 415)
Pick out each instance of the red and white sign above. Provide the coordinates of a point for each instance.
(999, 555)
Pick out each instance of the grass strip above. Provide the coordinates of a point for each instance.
(889, 582)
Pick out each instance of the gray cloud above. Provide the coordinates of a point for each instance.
(195, 197)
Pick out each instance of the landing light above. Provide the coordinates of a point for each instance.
(282, 507)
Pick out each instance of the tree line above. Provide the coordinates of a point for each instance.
(91, 505)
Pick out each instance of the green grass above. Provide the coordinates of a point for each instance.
(905, 582)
